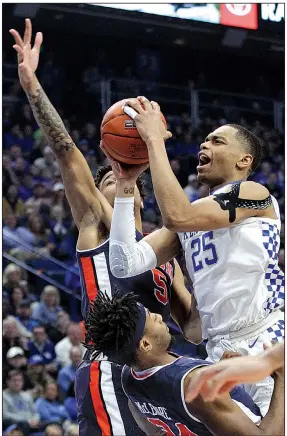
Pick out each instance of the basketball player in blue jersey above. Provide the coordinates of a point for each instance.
(102, 405)
(157, 381)
(231, 239)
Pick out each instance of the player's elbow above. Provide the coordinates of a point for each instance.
(118, 270)
(171, 223)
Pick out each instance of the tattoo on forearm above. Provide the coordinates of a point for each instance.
(129, 191)
(50, 122)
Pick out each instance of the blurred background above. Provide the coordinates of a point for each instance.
(207, 65)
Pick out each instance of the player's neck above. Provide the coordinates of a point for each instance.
(152, 361)
(234, 179)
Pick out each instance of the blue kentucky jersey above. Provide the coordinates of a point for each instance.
(152, 287)
(158, 394)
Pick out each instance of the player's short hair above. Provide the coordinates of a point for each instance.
(111, 325)
(253, 144)
(103, 170)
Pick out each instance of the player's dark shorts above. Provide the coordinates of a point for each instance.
(102, 405)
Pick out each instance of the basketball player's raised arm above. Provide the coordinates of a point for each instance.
(214, 212)
(88, 205)
(129, 258)
(224, 417)
(183, 308)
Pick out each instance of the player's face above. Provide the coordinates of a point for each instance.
(218, 157)
(156, 336)
(108, 189)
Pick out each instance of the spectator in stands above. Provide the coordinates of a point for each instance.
(12, 203)
(15, 152)
(15, 136)
(12, 336)
(59, 199)
(192, 188)
(21, 167)
(49, 407)
(47, 310)
(15, 359)
(8, 175)
(67, 375)
(70, 403)
(37, 236)
(14, 430)
(9, 231)
(59, 332)
(18, 406)
(92, 80)
(37, 375)
(46, 167)
(38, 198)
(5, 316)
(53, 430)
(41, 345)
(26, 187)
(63, 348)
(17, 294)
(73, 430)
(12, 276)
(24, 313)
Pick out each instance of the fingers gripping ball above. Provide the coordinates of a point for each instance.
(120, 136)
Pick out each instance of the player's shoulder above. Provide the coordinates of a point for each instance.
(253, 191)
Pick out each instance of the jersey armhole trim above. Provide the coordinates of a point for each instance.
(94, 248)
(123, 384)
(182, 391)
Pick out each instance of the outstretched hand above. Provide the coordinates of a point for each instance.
(215, 380)
(147, 117)
(28, 58)
(125, 172)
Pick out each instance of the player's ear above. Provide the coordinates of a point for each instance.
(244, 162)
(145, 345)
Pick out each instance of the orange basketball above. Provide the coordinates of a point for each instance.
(120, 136)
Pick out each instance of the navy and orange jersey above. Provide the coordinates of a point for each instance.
(101, 402)
(152, 287)
(158, 394)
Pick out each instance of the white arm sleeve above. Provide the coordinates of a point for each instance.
(128, 257)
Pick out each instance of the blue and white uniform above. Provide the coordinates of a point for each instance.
(239, 288)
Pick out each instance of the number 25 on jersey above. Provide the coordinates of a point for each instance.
(203, 251)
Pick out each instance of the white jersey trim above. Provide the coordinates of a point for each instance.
(182, 391)
(91, 249)
(110, 399)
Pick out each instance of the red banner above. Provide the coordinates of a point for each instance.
(239, 15)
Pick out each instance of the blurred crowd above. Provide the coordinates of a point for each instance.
(41, 343)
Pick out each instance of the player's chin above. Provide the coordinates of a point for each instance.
(205, 178)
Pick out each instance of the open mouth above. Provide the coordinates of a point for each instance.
(204, 160)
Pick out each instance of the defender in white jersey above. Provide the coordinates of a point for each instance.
(230, 238)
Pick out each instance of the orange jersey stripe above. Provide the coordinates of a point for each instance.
(89, 276)
(95, 389)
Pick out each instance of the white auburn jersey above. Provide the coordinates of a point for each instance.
(235, 272)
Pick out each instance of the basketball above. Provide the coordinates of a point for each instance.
(120, 136)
